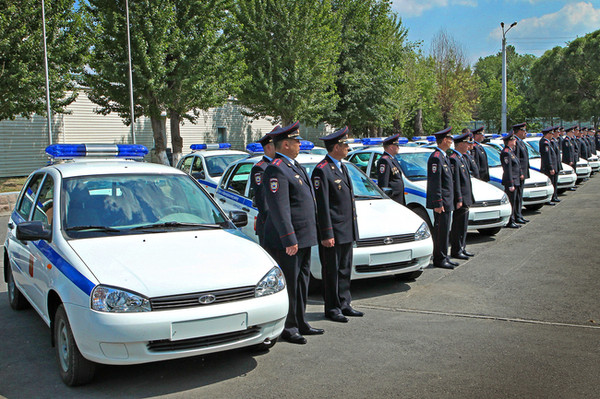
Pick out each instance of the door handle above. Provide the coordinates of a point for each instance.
(222, 200)
(11, 225)
(245, 209)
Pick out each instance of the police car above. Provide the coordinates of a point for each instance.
(130, 262)
(487, 215)
(392, 239)
(207, 162)
(566, 177)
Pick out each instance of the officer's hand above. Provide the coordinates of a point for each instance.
(458, 205)
(330, 242)
(522, 177)
(438, 210)
(291, 251)
(511, 189)
(552, 172)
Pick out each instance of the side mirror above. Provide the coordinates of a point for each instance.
(239, 218)
(33, 231)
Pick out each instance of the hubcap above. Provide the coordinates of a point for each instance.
(63, 346)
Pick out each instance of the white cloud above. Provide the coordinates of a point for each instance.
(414, 8)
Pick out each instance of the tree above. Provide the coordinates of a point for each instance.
(291, 48)
(183, 59)
(22, 75)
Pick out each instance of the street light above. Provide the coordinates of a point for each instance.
(504, 73)
(130, 75)
(48, 110)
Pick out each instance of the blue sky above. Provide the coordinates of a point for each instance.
(475, 24)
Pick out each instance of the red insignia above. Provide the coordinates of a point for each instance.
(258, 178)
(277, 162)
(274, 184)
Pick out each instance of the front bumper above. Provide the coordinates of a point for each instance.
(486, 217)
(537, 195)
(566, 181)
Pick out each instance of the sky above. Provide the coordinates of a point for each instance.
(475, 24)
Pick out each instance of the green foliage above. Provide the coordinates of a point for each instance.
(22, 75)
(291, 48)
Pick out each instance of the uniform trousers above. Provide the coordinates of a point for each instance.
(512, 197)
(441, 231)
(296, 270)
(336, 268)
(554, 179)
(458, 232)
(518, 212)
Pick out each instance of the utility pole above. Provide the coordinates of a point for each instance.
(504, 74)
(130, 75)
(48, 111)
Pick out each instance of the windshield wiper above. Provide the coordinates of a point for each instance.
(177, 224)
(367, 196)
(93, 227)
(417, 176)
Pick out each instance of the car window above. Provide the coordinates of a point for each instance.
(239, 178)
(28, 195)
(361, 160)
(373, 173)
(414, 164)
(186, 163)
(217, 164)
(197, 168)
(363, 187)
(493, 156)
(45, 202)
(124, 202)
(533, 148)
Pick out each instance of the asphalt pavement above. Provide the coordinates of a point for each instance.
(521, 319)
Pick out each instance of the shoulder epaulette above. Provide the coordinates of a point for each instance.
(277, 162)
(436, 153)
(260, 162)
(322, 164)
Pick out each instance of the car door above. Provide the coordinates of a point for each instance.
(232, 195)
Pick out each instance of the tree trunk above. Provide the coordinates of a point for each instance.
(419, 123)
(176, 140)
(397, 129)
(158, 130)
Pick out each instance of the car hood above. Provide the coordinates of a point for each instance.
(482, 191)
(398, 219)
(534, 176)
(173, 263)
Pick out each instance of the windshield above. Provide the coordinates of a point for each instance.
(217, 164)
(363, 187)
(123, 204)
(414, 164)
(533, 149)
(493, 155)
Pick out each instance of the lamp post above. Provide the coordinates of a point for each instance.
(504, 73)
(130, 75)
(48, 110)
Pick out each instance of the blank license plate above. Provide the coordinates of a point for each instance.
(539, 193)
(205, 327)
(390, 257)
(486, 215)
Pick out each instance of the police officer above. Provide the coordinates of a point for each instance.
(472, 165)
(511, 176)
(259, 200)
(555, 142)
(463, 196)
(440, 197)
(569, 153)
(337, 225)
(522, 154)
(290, 229)
(479, 154)
(389, 173)
(549, 162)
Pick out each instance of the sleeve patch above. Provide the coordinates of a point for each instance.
(433, 168)
(274, 184)
(382, 168)
(258, 178)
(317, 182)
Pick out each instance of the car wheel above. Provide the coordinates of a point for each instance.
(74, 368)
(561, 190)
(423, 215)
(15, 298)
(534, 207)
(263, 347)
(490, 232)
(410, 276)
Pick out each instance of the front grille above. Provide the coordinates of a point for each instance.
(385, 267)
(480, 204)
(373, 242)
(485, 221)
(539, 198)
(165, 345)
(191, 300)
(531, 185)
(566, 172)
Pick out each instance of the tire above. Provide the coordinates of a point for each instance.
(73, 367)
(561, 190)
(534, 207)
(490, 232)
(423, 215)
(15, 297)
(410, 276)
(263, 347)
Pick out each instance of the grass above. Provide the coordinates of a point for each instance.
(9, 184)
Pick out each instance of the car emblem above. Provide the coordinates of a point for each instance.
(485, 203)
(388, 240)
(206, 299)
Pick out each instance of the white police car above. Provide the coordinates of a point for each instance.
(566, 177)
(488, 214)
(392, 239)
(207, 162)
(131, 262)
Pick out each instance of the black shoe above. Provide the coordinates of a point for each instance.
(337, 317)
(556, 199)
(295, 338)
(352, 313)
(452, 263)
(512, 225)
(445, 265)
(312, 331)
(572, 189)
(521, 221)
(465, 252)
(459, 255)
(550, 203)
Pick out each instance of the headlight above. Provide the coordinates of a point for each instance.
(423, 232)
(548, 182)
(504, 199)
(271, 283)
(115, 300)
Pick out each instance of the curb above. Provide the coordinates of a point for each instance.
(7, 203)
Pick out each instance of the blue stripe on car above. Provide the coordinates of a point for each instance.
(237, 198)
(415, 192)
(207, 183)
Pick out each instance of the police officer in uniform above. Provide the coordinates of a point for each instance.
(463, 196)
(389, 173)
(549, 161)
(479, 154)
(511, 176)
(440, 197)
(259, 200)
(469, 156)
(290, 229)
(522, 154)
(337, 225)
(569, 151)
(556, 146)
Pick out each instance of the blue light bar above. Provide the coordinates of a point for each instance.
(70, 151)
(372, 141)
(417, 138)
(504, 134)
(306, 145)
(537, 134)
(219, 146)
(496, 136)
(354, 141)
(431, 139)
(255, 148)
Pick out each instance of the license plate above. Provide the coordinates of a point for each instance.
(539, 193)
(486, 215)
(390, 257)
(205, 327)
